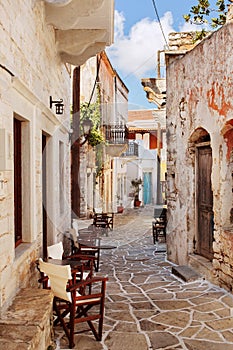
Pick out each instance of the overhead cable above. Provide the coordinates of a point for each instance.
(158, 18)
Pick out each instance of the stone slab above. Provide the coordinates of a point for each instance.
(26, 325)
(185, 273)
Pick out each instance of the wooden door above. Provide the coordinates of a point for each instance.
(204, 202)
(147, 188)
(17, 181)
(44, 196)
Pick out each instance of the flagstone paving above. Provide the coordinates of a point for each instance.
(147, 307)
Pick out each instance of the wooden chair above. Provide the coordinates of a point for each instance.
(103, 220)
(91, 247)
(73, 302)
(159, 225)
(56, 251)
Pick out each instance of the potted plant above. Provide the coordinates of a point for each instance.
(120, 207)
(136, 184)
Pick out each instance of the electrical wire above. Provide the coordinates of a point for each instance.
(158, 18)
(141, 65)
(96, 80)
(161, 28)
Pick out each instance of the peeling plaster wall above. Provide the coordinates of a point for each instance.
(199, 95)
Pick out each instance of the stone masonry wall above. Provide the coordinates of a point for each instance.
(199, 99)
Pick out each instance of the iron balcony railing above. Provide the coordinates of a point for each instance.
(132, 150)
(115, 134)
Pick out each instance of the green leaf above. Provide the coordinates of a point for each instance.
(201, 13)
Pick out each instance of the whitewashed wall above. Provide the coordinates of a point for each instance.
(30, 72)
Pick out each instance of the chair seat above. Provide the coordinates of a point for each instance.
(88, 248)
(86, 301)
(85, 274)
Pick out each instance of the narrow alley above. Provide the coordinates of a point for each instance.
(146, 306)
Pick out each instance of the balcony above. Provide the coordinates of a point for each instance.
(83, 28)
(132, 150)
(116, 139)
(155, 89)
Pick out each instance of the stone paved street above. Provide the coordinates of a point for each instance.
(147, 307)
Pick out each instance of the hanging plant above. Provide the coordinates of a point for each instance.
(95, 137)
(92, 111)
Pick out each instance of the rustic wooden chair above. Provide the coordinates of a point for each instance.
(85, 244)
(160, 223)
(56, 251)
(104, 221)
(73, 302)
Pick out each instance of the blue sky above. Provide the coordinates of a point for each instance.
(138, 37)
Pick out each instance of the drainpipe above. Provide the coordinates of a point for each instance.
(75, 147)
(159, 192)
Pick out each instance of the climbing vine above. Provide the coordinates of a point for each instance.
(92, 111)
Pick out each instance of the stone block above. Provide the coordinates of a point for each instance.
(27, 322)
(185, 273)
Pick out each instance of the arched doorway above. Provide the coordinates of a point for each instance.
(203, 193)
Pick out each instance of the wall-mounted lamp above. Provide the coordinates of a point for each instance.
(58, 104)
(87, 126)
(86, 129)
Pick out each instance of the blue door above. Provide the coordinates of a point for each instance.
(147, 188)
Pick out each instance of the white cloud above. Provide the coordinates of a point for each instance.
(136, 53)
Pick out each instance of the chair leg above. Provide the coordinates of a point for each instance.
(101, 320)
(68, 332)
(153, 232)
(156, 235)
(71, 325)
(98, 261)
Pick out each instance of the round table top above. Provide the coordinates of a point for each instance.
(106, 246)
(99, 245)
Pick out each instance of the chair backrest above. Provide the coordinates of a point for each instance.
(58, 276)
(75, 226)
(98, 210)
(160, 213)
(55, 251)
(74, 237)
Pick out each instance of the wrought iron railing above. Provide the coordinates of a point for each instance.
(115, 134)
(132, 149)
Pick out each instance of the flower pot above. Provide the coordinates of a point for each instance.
(137, 203)
(120, 209)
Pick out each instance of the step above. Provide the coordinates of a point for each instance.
(185, 273)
